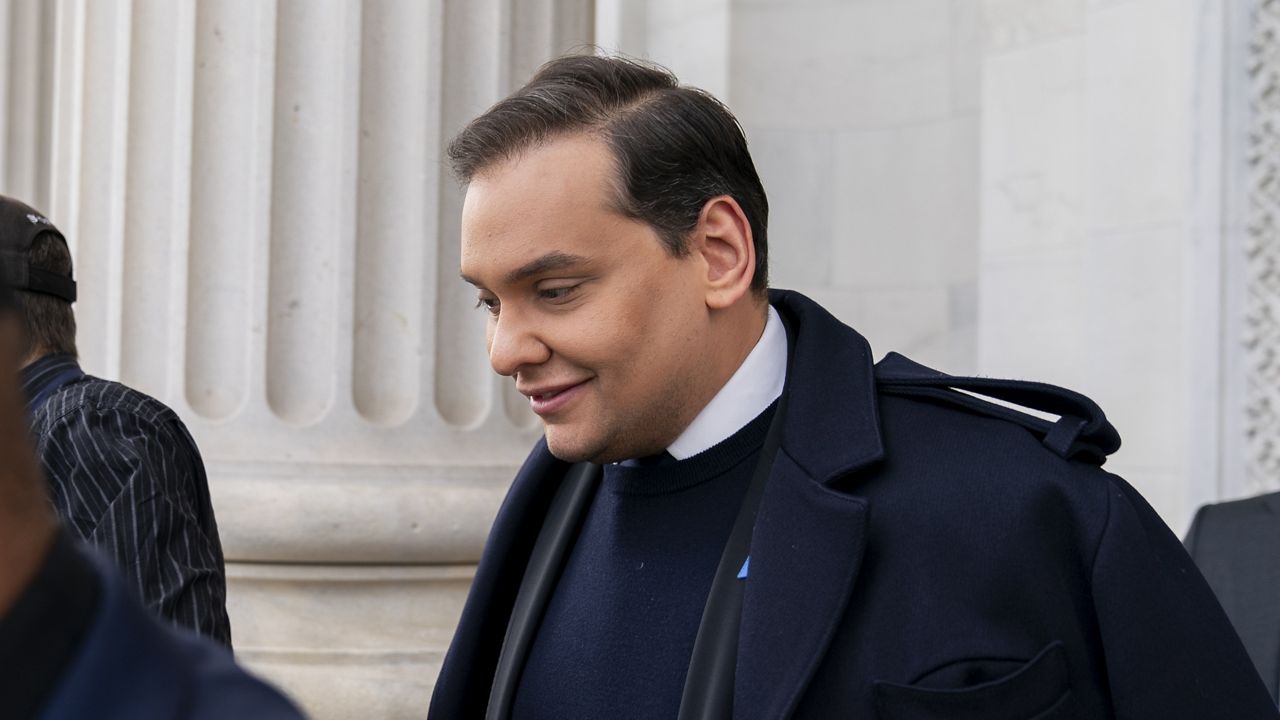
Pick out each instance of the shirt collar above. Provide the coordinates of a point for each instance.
(757, 382)
(37, 376)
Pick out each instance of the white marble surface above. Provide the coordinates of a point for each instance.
(358, 641)
(1085, 251)
(824, 65)
(26, 40)
(1139, 111)
(1010, 24)
(906, 205)
(1033, 146)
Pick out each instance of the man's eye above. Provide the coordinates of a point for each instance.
(489, 304)
(557, 293)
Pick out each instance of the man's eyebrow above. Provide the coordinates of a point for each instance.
(546, 263)
(537, 266)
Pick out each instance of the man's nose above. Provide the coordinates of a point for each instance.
(514, 344)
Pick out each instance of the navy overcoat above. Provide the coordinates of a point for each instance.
(920, 553)
(131, 665)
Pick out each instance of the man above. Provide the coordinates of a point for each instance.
(1237, 547)
(73, 642)
(733, 512)
(124, 473)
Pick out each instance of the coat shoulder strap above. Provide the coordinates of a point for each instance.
(1081, 430)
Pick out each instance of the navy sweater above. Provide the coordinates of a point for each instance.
(618, 632)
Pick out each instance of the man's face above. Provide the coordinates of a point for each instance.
(601, 327)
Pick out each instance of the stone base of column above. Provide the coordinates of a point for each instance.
(347, 641)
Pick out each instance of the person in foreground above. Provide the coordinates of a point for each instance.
(74, 643)
(734, 512)
(124, 474)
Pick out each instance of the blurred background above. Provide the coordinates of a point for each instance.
(1084, 192)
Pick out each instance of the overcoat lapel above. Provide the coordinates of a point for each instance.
(809, 537)
(805, 555)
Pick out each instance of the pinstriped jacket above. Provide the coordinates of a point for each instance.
(126, 477)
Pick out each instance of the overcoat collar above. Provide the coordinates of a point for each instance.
(832, 426)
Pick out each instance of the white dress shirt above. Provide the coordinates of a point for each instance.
(753, 387)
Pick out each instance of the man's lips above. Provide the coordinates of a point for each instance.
(551, 398)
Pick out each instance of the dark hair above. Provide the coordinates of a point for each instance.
(675, 147)
(49, 323)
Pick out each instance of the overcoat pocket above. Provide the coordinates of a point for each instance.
(1038, 690)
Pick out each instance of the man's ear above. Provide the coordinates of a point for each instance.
(723, 240)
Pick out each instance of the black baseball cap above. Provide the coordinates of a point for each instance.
(20, 224)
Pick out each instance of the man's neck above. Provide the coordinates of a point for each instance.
(32, 358)
(739, 337)
(750, 386)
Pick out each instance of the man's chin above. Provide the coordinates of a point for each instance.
(571, 452)
(575, 448)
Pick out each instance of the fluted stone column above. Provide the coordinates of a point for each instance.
(266, 238)
(26, 66)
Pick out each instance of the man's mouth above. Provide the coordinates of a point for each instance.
(552, 398)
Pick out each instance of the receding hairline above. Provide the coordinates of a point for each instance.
(616, 193)
(599, 122)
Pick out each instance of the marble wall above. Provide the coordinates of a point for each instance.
(1098, 269)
